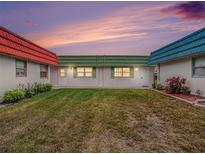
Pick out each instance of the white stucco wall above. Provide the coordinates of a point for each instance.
(143, 76)
(182, 68)
(8, 79)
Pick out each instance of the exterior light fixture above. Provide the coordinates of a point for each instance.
(136, 69)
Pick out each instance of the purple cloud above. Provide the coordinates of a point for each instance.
(190, 10)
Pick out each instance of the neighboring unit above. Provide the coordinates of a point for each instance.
(102, 71)
(184, 58)
(22, 62)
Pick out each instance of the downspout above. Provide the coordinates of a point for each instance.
(103, 71)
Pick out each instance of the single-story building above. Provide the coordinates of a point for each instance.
(102, 71)
(184, 58)
(22, 61)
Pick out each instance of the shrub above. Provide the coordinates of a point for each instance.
(185, 90)
(175, 85)
(29, 89)
(159, 86)
(42, 87)
(12, 96)
(36, 88)
(48, 86)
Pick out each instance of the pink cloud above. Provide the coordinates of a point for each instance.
(134, 23)
(29, 22)
(190, 10)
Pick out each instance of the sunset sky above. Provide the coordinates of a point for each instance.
(102, 28)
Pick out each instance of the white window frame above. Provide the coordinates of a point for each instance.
(43, 77)
(197, 67)
(24, 69)
(84, 72)
(120, 72)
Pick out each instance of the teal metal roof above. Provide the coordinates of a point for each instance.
(105, 61)
(192, 44)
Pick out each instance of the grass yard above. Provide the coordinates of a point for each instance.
(102, 120)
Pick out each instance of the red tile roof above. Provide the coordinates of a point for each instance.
(15, 45)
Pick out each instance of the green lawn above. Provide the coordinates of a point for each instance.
(102, 120)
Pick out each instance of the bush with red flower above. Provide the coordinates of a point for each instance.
(176, 85)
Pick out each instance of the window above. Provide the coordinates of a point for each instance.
(43, 71)
(122, 72)
(62, 72)
(21, 67)
(84, 71)
(198, 67)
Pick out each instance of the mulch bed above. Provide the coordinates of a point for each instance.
(190, 97)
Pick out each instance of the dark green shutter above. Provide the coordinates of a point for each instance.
(74, 72)
(112, 72)
(132, 72)
(94, 72)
